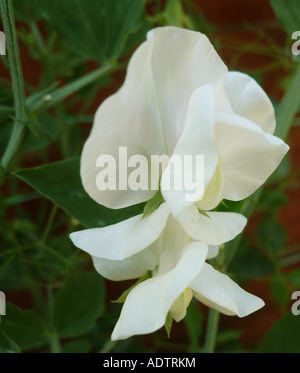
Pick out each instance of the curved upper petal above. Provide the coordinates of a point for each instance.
(129, 118)
(195, 157)
(215, 228)
(121, 240)
(147, 305)
(249, 156)
(249, 100)
(182, 61)
(218, 291)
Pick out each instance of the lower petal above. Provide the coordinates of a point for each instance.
(121, 240)
(147, 305)
(218, 291)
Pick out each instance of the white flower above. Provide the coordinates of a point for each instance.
(179, 98)
(160, 244)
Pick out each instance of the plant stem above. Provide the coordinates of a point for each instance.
(109, 345)
(49, 223)
(55, 344)
(211, 331)
(19, 130)
(64, 92)
(53, 340)
(289, 106)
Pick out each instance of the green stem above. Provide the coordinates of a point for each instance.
(55, 344)
(289, 106)
(109, 345)
(211, 331)
(62, 93)
(54, 341)
(19, 130)
(49, 224)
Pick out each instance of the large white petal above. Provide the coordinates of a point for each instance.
(182, 61)
(129, 268)
(249, 155)
(218, 291)
(173, 237)
(129, 118)
(217, 228)
(249, 100)
(148, 304)
(197, 139)
(121, 240)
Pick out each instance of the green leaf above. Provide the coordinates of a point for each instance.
(98, 29)
(7, 345)
(25, 327)
(124, 295)
(78, 346)
(289, 106)
(271, 236)
(279, 290)
(153, 204)
(249, 262)
(60, 182)
(203, 213)
(283, 337)
(168, 324)
(294, 277)
(288, 13)
(78, 304)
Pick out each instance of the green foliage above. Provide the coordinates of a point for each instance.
(88, 28)
(7, 345)
(283, 337)
(25, 327)
(60, 182)
(78, 304)
(153, 203)
(288, 13)
(194, 324)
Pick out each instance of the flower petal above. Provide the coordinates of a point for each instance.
(173, 237)
(249, 155)
(214, 191)
(218, 291)
(147, 305)
(213, 251)
(129, 268)
(249, 100)
(129, 118)
(217, 228)
(182, 61)
(121, 240)
(197, 139)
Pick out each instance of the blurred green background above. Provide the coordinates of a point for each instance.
(73, 55)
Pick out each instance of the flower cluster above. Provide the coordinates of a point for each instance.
(178, 99)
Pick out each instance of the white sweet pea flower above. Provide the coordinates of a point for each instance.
(176, 259)
(178, 98)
